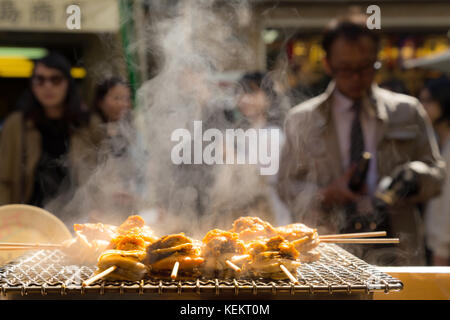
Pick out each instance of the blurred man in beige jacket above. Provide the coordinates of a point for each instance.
(327, 132)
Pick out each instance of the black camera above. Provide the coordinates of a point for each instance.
(404, 183)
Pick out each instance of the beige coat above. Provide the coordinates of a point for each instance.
(17, 169)
(86, 143)
(311, 160)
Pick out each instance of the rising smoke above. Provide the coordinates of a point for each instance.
(193, 43)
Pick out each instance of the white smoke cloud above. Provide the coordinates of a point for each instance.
(192, 42)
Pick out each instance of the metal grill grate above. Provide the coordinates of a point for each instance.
(46, 271)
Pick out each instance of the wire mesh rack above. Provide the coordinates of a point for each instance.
(46, 272)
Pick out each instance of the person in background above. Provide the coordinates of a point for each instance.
(112, 108)
(435, 97)
(112, 100)
(326, 136)
(99, 150)
(111, 105)
(258, 103)
(258, 106)
(264, 108)
(36, 139)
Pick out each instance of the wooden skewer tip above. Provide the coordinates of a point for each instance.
(102, 274)
(236, 259)
(355, 235)
(233, 266)
(290, 276)
(175, 270)
(361, 240)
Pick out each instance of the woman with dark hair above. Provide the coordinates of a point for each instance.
(112, 99)
(36, 139)
(435, 97)
(103, 137)
(259, 103)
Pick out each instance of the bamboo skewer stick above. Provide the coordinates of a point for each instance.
(363, 240)
(175, 270)
(102, 274)
(233, 266)
(17, 248)
(236, 259)
(290, 276)
(354, 235)
(300, 241)
(19, 244)
(25, 246)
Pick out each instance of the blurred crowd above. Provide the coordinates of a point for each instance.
(54, 141)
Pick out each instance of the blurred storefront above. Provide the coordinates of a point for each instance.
(281, 34)
(291, 35)
(31, 28)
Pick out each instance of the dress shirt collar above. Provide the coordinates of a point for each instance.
(343, 103)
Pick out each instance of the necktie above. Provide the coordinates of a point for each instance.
(356, 135)
(353, 222)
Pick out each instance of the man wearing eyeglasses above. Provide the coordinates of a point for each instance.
(326, 135)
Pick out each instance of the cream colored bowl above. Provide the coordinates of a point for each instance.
(28, 224)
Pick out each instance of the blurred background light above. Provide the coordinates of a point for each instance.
(29, 53)
(78, 72)
(269, 36)
(17, 67)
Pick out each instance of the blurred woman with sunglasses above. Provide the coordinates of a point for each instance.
(36, 139)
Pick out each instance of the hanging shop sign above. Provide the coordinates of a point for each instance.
(59, 15)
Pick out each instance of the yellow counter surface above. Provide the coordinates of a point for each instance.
(419, 283)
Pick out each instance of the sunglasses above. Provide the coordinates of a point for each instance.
(41, 80)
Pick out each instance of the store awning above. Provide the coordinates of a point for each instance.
(52, 15)
(439, 62)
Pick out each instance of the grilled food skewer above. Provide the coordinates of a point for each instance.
(304, 238)
(174, 256)
(125, 253)
(220, 248)
(271, 258)
(90, 240)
